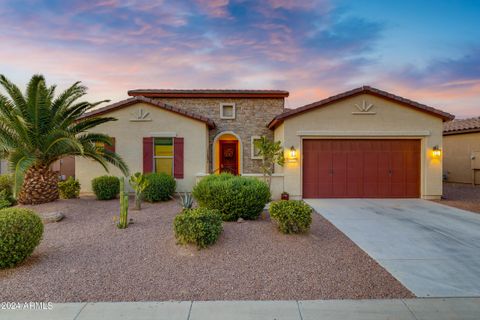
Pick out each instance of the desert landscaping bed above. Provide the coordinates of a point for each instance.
(86, 258)
(461, 195)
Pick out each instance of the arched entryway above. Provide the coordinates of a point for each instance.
(227, 153)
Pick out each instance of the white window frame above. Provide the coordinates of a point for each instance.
(252, 148)
(222, 116)
(164, 157)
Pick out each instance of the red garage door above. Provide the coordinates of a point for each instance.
(361, 168)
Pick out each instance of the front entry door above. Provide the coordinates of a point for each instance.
(229, 156)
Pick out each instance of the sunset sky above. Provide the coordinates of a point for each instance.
(428, 51)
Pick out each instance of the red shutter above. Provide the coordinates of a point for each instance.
(112, 147)
(178, 158)
(147, 154)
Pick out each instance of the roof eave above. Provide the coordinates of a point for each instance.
(463, 131)
(131, 101)
(355, 92)
(265, 95)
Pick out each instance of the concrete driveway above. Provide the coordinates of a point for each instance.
(432, 249)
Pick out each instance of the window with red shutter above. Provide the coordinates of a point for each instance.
(147, 154)
(178, 158)
(112, 147)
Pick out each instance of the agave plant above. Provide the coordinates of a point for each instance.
(37, 128)
(186, 200)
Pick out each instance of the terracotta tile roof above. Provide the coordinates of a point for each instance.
(461, 126)
(156, 103)
(361, 90)
(208, 93)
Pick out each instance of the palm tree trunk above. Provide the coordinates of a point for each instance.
(40, 185)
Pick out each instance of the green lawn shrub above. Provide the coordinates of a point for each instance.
(200, 226)
(161, 187)
(6, 191)
(106, 187)
(69, 189)
(20, 232)
(234, 196)
(291, 216)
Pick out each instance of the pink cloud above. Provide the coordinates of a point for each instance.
(295, 4)
(214, 8)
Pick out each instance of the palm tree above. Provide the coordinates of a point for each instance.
(37, 128)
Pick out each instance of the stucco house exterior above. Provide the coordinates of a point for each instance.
(461, 141)
(361, 143)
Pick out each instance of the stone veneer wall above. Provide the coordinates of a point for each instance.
(252, 117)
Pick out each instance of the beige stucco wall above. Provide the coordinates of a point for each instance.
(457, 151)
(129, 143)
(390, 121)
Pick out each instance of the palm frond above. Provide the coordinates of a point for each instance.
(38, 128)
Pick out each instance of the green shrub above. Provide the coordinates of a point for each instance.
(106, 187)
(5, 200)
(234, 196)
(69, 189)
(161, 187)
(199, 226)
(292, 216)
(20, 232)
(6, 186)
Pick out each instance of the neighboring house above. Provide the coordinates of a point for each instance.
(461, 143)
(361, 143)
(64, 167)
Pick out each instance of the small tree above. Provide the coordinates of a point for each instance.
(139, 183)
(271, 153)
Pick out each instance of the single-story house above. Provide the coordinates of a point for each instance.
(461, 142)
(363, 143)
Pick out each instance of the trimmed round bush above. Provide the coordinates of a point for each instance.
(200, 226)
(20, 232)
(291, 216)
(161, 187)
(234, 196)
(106, 187)
(69, 189)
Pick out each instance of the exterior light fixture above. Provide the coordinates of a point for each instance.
(437, 152)
(292, 154)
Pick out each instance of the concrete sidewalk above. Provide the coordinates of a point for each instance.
(398, 309)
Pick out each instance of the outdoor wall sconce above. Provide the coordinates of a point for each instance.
(437, 152)
(292, 155)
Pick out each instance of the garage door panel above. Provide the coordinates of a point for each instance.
(398, 177)
(384, 173)
(355, 174)
(339, 171)
(361, 168)
(370, 172)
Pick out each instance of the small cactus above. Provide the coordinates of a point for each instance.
(123, 222)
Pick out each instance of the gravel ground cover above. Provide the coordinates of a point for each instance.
(86, 258)
(461, 195)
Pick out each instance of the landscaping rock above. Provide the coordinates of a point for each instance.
(240, 220)
(52, 216)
